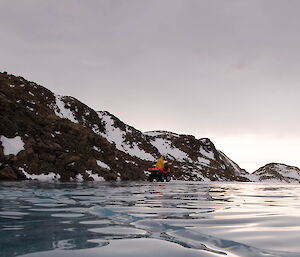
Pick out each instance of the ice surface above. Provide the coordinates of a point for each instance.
(12, 145)
(149, 219)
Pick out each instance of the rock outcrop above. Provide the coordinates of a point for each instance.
(63, 139)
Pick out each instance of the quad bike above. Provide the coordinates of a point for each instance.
(159, 174)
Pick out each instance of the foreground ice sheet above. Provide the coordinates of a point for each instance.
(149, 219)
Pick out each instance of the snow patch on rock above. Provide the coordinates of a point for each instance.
(12, 145)
(97, 149)
(165, 148)
(230, 162)
(204, 161)
(117, 136)
(103, 165)
(42, 177)
(209, 154)
(95, 177)
(63, 112)
(79, 178)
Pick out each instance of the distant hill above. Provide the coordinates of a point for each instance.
(50, 137)
(276, 172)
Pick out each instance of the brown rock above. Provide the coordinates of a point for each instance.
(7, 173)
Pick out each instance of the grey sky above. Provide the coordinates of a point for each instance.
(218, 69)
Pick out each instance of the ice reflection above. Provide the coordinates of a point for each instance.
(187, 218)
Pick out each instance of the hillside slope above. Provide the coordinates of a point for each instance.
(46, 136)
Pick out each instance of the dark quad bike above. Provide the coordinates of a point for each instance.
(159, 175)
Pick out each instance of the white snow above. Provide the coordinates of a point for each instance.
(117, 136)
(234, 165)
(103, 165)
(287, 172)
(29, 108)
(97, 149)
(32, 94)
(203, 161)
(42, 177)
(61, 111)
(209, 154)
(132, 162)
(252, 177)
(95, 177)
(12, 145)
(79, 177)
(166, 149)
(12, 86)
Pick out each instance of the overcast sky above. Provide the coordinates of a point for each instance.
(227, 70)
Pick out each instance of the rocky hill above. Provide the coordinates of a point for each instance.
(276, 172)
(46, 136)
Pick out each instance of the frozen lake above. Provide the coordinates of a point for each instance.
(149, 219)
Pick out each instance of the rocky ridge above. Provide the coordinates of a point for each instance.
(46, 136)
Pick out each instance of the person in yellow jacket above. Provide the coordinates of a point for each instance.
(161, 172)
(160, 163)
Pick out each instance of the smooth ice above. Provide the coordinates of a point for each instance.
(149, 219)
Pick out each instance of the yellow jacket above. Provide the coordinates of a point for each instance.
(160, 163)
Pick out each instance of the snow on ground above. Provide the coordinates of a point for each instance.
(197, 174)
(204, 161)
(234, 165)
(42, 177)
(117, 136)
(97, 149)
(103, 165)
(166, 149)
(252, 177)
(209, 154)
(79, 178)
(95, 177)
(286, 172)
(12, 145)
(61, 111)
